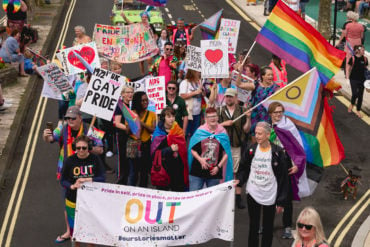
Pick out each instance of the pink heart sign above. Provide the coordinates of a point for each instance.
(86, 53)
(214, 56)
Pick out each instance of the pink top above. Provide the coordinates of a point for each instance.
(165, 70)
(354, 30)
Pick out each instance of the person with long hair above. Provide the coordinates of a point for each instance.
(310, 232)
(169, 142)
(180, 53)
(141, 163)
(162, 40)
(278, 67)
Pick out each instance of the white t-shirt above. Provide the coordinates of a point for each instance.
(294, 4)
(187, 87)
(262, 184)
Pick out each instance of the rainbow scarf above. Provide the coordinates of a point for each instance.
(221, 136)
(175, 136)
(16, 4)
(66, 144)
(70, 209)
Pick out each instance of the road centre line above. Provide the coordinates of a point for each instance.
(169, 16)
(33, 134)
(353, 220)
(344, 219)
(166, 9)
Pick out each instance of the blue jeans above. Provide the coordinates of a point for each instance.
(197, 183)
(362, 7)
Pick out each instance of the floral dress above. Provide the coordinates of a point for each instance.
(260, 113)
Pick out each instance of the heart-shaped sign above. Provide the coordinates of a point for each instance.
(86, 53)
(214, 56)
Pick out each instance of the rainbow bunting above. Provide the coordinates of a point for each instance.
(16, 4)
(210, 27)
(288, 36)
(131, 118)
(305, 105)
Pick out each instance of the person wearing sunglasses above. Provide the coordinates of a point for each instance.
(165, 65)
(79, 168)
(310, 232)
(178, 104)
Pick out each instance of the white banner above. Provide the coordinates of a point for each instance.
(229, 30)
(102, 94)
(117, 215)
(70, 62)
(156, 90)
(215, 59)
(55, 82)
(194, 58)
(243, 95)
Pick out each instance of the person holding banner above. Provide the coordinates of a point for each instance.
(169, 145)
(209, 154)
(79, 168)
(123, 170)
(263, 166)
(140, 161)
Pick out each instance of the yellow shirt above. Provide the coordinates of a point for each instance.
(145, 135)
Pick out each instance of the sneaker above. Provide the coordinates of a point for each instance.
(109, 154)
(5, 106)
(287, 234)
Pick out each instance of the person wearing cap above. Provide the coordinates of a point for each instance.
(236, 130)
(65, 135)
(217, 97)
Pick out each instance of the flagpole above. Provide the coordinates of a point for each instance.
(92, 122)
(278, 91)
(249, 52)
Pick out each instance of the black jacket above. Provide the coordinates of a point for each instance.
(279, 163)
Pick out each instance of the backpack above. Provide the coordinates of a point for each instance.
(158, 174)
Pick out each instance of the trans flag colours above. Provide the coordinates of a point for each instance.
(288, 36)
(309, 110)
(157, 3)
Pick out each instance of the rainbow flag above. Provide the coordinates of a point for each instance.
(288, 36)
(157, 3)
(209, 28)
(131, 118)
(95, 134)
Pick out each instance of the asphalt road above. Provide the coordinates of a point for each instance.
(40, 217)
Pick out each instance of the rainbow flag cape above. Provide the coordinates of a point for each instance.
(210, 27)
(309, 110)
(131, 118)
(95, 134)
(157, 3)
(288, 36)
(16, 3)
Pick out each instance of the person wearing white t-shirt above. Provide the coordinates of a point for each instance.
(264, 166)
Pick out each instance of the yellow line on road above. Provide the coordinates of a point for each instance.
(346, 102)
(353, 220)
(33, 135)
(344, 219)
(242, 14)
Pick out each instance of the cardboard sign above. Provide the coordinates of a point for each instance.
(55, 82)
(70, 62)
(215, 59)
(243, 95)
(125, 44)
(194, 58)
(156, 90)
(102, 95)
(229, 30)
(146, 217)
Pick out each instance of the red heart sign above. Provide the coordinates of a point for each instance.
(214, 56)
(86, 53)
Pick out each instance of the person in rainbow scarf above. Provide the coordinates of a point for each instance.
(168, 138)
(210, 146)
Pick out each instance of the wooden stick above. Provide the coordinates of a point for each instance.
(345, 170)
(249, 52)
(278, 91)
(92, 122)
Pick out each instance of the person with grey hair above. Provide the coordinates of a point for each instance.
(264, 166)
(123, 171)
(81, 37)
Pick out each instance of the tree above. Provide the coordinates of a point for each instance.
(325, 18)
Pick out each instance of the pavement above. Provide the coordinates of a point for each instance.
(255, 12)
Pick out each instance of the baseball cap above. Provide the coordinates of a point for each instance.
(73, 111)
(231, 92)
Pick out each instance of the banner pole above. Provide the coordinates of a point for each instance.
(249, 52)
(278, 91)
(92, 122)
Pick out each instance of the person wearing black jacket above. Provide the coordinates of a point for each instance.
(264, 166)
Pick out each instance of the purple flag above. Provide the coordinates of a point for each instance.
(157, 3)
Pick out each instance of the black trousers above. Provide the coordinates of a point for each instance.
(357, 88)
(268, 215)
(142, 166)
(123, 165)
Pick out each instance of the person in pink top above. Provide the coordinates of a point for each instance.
(353, 33)
(279, 70)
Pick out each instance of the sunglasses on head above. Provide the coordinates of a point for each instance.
(82, 147)
(308, 227)
(70, 118)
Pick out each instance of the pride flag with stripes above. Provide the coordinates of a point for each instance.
(288, 36)
(131, 118)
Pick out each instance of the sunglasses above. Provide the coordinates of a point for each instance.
(70, 118)
(83, 148)
(308, 227)
(278, 112)
(171, 88)
(169, 49)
